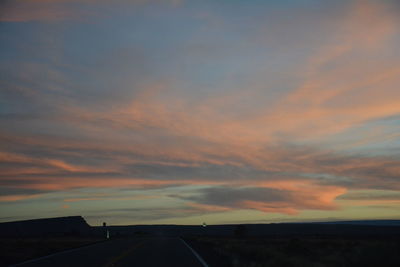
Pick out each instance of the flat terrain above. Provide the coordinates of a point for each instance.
(69, 241)
(295, 251)
(18, 249)
(217, 251)
(143, 251)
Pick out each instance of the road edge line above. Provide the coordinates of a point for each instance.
(195, 253)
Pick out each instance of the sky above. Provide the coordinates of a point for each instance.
(184, 112)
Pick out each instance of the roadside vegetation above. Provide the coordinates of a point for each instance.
(303, 251)
(16, 250)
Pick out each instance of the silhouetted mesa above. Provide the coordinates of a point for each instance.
(62, 226)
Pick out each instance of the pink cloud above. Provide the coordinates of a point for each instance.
(12, 198)
(341, 90)
(57, 10)
(270, 207)
(208, 208)
(22, 11)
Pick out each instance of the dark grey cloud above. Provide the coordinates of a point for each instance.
(203, 171)
(9, 191)
(233, 197)
(371, 196)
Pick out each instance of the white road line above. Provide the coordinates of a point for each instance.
(54, 254)
(195, 253)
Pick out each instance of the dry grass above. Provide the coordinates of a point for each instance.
(306, 251)
(14, 250)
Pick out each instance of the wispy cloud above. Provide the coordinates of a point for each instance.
(141, 117)
(59, 10)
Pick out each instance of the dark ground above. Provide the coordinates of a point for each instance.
(299, 251)
(360, 243)
(14, 250)
(216, 251)
(141, 251)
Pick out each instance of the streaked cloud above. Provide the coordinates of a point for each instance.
(236, 119)
(59, 10)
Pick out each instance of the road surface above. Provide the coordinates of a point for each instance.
(147, 252)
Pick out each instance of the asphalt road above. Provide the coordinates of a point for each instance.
(147, 252)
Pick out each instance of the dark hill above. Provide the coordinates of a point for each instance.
(278, 229)
(62, 226)
(366, 222)
(77, 226)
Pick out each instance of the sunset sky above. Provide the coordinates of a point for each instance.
(183, 112)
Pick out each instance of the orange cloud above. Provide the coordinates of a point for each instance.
(270, 207)
(350, 81)
(64, 184)
(12, 198)
(81, 199)
(208, 208)
(306, 194)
